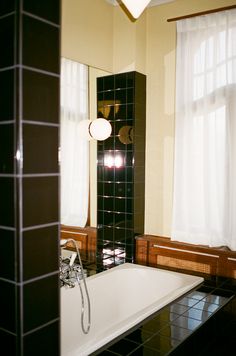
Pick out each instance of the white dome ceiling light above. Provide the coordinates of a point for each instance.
(99, 129)
(135, 7)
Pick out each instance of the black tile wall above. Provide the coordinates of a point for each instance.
(40, 200)
(48, 10)
(43, 341)
(40, 308)
(7, 148)
(40, 97)
(7, 94)
(7, 260)
(29, 174)
(7, 41)
(40, 245)
(40, 45)
(121, 99)
(38, 142)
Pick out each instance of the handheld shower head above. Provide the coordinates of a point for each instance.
(63, 242)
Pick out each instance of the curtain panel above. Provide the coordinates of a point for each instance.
(74, 151)
(204, 201)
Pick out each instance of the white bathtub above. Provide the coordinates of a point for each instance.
(120, 298)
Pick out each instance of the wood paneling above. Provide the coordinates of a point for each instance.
(154, 250)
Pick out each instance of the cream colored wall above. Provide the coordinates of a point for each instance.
(87, 32)
(160, 70)
(129, 42)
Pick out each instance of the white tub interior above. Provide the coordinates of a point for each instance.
(120, 298)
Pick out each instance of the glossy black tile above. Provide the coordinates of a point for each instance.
(120, 174)
(197, 295)
(108, 233)
(40, 200)
(189, 302)
(40, 45)
(120, 235)
(178, 309)
(215, 299)
(7, 28)
(120, 81)
(9, 340)
(108, 203)
(7, 254)
(161, 344)
(130, 95)
(123, 347)
(40, 149)
(6, 7)
(139, 336)
(120, 189)
(8, 306)
(109, 174)
(7, 211)
(108, 82)
(40, 97)
(40, 302)
(7, 95)
(120, 220)
(130, 112)
(175, 332)
(120, 204)
(130, 77)
(143, 350)
(109, 189)
(201, 315)
(186, 322)
(108, 218)
(7, 148)
(44, 341)
(40, 245)
(48, 10)
(120, 112)
(224, 292)
(202, 305)
(120, 96)
(100, 84)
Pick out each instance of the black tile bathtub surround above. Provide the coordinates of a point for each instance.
(200, 323)
(29, 130)
(121, 99)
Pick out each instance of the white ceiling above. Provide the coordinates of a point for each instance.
(152, 3)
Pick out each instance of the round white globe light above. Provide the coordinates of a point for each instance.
(100, 129)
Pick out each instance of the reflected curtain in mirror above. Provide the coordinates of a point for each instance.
(74, 151)
(204, 206)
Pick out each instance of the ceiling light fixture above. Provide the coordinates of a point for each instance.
(136, 7)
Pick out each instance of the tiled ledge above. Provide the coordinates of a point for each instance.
(184, 327)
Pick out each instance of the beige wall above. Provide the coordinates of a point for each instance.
(87, 32)
(102, 36)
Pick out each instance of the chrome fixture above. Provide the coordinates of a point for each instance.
(69, 274)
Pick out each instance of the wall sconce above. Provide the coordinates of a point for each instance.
(135, 7)
(99, 129)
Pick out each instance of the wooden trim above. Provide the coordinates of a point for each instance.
(87, 236)
(173, 254)
(202, 13)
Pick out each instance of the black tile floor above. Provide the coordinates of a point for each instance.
(201, 323)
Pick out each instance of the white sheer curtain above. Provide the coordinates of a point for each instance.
(204, 205)
(74, 151)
